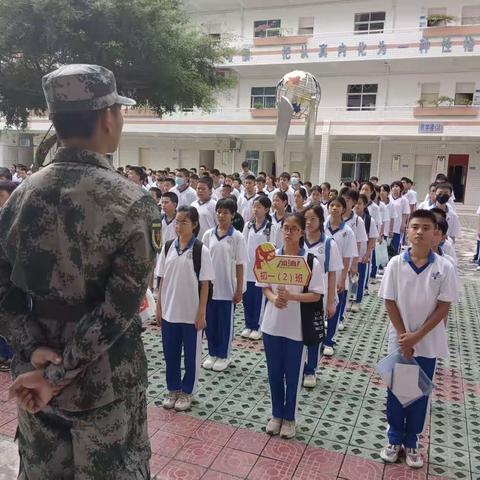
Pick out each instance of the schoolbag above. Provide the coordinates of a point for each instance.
(197, 263)
(367, 220)
(266, 231)
(326, 260)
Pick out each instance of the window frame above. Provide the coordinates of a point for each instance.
(267, 100)
(368, 23)
(358, 161)
(268, 31)
(253, 160)
(362, 95)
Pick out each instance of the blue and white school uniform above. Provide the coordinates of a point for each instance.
(453, 222)
(227, 252)
(207, 217)
(168, 233)
(245, 206)
(402, 207)
(277, 234)
(347, 245)
(185, 197)
(416, 292)
(179, 301)
(253, 296)
(284, 349)
(375, 212)
(328, 255)
(363, 268)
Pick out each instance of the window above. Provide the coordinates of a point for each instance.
(471, 15)
(435, 12)
(305, 26)
(429, 93)
(252, 157)
(362, 97)
(372, 22)
(266, 28)
(356, 166)
(25, 141)
(464, 93)
(263, 97)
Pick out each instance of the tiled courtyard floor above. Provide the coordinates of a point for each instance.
(341, 422)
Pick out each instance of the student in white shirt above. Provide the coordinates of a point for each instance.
(205, 204)
(256, 231)
(284, 186)
(443, 192)
(368, 189)
(402, 211)
(299, 200)
(325, 188)
(215, 175)
(366, 249)
(260, 185)
(431, 198)
(270, 187)
(181, 308)
(229, 256)
(245, 201)
(327, 253)
(418, 287)
(282, 333)
(409, 192)
(279, 205)
(185, 193)
(447, 245)
(345, 240)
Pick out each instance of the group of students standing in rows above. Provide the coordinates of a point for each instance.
(201, 282)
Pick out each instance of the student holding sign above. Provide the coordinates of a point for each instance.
(282, 332)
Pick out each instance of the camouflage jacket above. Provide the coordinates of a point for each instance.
(78, 233)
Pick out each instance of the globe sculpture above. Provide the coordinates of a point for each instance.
(301, 89)
(298, 96)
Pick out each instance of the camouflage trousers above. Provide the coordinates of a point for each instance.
(109, 442)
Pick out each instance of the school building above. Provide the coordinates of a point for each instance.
(400, 93)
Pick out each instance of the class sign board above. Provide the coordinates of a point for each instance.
(280, 269)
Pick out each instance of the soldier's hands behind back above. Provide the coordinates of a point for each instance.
(42, 356)
(32, 392)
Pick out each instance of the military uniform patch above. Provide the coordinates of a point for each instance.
(157, 236)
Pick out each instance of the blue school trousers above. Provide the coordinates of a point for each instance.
(396, 243)
(285, 360)
(175, 337)
(313, 359)
(252, 306)
(406, 424)
(220, 329)
(477, 254)
(373, 271)
(362, 281)
(5, 351)
(333, 322)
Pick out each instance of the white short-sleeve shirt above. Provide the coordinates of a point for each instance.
(245, 206)
(254, 238)
(375, 213)
(186, 197)
(227, 252)
(402, 207)
(206, 214)
(372, 233)
(416, 292)
(179, 294)
(358, 227)
(277, 234)
(168, 233)
(288, 322)
(453, 222)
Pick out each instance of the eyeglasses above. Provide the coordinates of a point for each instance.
(287, 229)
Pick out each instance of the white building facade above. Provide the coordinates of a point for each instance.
(400, 93)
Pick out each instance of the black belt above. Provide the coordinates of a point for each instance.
(58, 311)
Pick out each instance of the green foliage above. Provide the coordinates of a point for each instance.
(436, 20)
(158, 56)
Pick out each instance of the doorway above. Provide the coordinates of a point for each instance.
(457, 175)
(207, 158)
(268, 162)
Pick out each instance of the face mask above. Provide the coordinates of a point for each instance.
(179, 181)
(443, 198)
(294, 181)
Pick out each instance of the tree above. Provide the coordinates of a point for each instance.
(158, 56)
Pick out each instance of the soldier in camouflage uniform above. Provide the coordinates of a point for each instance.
(77, 247)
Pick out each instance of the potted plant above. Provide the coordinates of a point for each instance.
(438, 20)
(444, 101)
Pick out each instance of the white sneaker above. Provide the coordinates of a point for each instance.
(288, 429)
(355, 308)
(478, 268)
(325, 324)
(413, 458)
(341, 326)
(246, 333)
(310, 381)
(209, 362)
(366, 293)
(390, 453)
(273, 426)
(255, 335)
(184, 402)
(170, 399)
(373, 281)
(328, 351)
(221, 364)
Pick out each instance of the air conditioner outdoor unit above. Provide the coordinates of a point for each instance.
(235, 144)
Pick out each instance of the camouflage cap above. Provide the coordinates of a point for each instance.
(81, 87)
